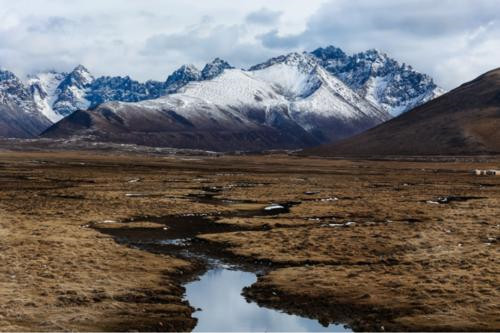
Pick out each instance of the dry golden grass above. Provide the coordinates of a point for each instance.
(404, 263)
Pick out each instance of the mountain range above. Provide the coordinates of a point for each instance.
(464, 121)
(291, 101)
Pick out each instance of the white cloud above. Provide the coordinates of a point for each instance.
(264, 16)
(145, 39)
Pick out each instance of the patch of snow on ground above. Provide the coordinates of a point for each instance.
(273, 207)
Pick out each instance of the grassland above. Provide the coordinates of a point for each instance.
(377, 245)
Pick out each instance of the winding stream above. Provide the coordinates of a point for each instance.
(217, 293)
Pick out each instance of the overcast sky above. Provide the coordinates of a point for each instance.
(452, 40)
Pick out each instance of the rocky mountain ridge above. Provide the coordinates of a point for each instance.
(374, 76)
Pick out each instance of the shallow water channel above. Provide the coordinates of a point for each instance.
(217, 293)
(222, 307)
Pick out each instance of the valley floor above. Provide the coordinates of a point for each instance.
(377, 245)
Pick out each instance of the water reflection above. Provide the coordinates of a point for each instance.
(218, 294)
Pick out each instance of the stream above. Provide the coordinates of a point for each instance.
(217, 293)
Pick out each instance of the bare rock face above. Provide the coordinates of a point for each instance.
(465, 121)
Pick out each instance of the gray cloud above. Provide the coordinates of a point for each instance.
(453, 40)
(263, 16)
(52, 24)
(272, 40)
(203, 42)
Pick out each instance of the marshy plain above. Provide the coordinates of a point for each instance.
(95, 241)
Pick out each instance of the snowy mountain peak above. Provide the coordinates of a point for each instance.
(189, 68)
(282, 105)
(80, 76)
(324, 83)
(329, 53)
(70, 93)
(376, 61)
(304, 62)
(80, 68)
(214, 68)
(182, 76)
(373, 54)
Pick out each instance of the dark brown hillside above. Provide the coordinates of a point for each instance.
(464, 121)
(17, 123)
(166, 128)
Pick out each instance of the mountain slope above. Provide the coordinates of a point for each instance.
(188, 120)
(464, 121)
(19, 116)
(389, 85)
(263, 108)
(319, 102)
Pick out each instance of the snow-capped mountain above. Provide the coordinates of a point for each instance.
(19, 116)
(72, 91)
(287, 102)
(214, 68)
(181, 77)
(318, 101)
(389, 85)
